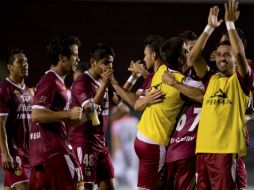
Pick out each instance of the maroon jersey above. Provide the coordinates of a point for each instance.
(183, 139)
(16, 104)
(84, 88)
(146, 85)
(49, 139)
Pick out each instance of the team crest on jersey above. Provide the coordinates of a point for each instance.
(42, 99)
(18, 171)
(88, 172)
(219, 98)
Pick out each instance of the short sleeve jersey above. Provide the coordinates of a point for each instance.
(158, 119)
(84, 88)
(49, 139)
(16, 104)
(146, 85)
(183, 139)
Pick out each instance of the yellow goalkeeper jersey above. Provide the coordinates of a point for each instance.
(159, 119)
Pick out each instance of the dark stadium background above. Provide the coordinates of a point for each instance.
(121, 23)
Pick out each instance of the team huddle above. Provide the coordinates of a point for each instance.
(192, 133)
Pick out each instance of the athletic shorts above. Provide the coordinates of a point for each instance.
(151, 160)
(215, 171)
(59, 172)
(96, 164)
(241, 174)
(180, 174)
(18, 175)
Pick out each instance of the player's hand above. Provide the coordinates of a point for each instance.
(231, 11)
(153, 97)
(7, 161)
(91, 106)
(136, 68)
(213, 17)
(107, 75)
(168, 78)
(76, 113)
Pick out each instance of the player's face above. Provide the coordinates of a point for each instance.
(225, 59)
(148, 59)
(189, 45)
(72, 61)
(19, 67)
(184, 59)
(106, 62)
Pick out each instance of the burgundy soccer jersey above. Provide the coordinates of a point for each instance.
(16, 103)
(146, 85)
(183, 139)
(49, 139)
(84, 88)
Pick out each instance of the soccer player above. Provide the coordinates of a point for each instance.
(241, 173)
(180, 159)
(221, 132)
(15, 118)
(152, 61)
(89, 141)
(53, 162)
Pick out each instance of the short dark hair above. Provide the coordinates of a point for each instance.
(241, 35)
(60, 45)
(188, 35)
(171, 51)
(100, 51)
(9, 56)
(154, 42)
(225, 42)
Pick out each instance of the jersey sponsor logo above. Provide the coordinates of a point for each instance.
(181, 139)
(26, 97)
(34, 136)
(219, 98)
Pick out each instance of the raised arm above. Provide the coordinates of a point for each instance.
(137, 69)
(231, 13)
(106, 77)
(126, 95)
(195, 56)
